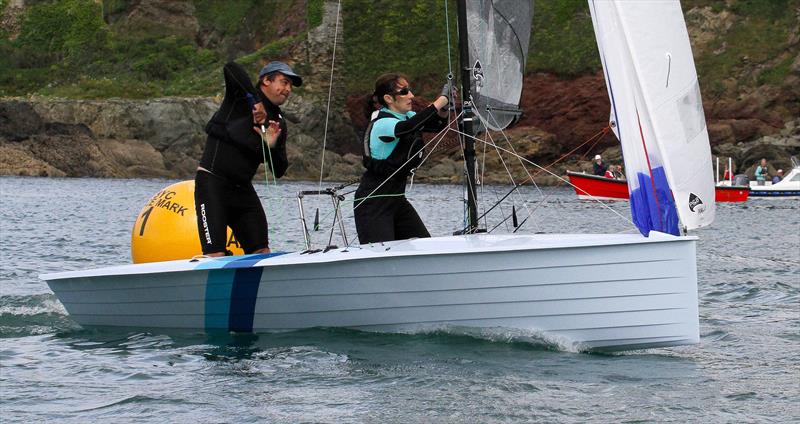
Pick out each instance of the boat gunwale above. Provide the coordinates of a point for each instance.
(597, 240)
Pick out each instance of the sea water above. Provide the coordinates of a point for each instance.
(745, 369)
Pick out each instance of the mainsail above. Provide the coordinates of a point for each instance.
(656, 112)
(499, 32)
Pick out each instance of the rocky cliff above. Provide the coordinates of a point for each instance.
(148, 138)
(752, 111)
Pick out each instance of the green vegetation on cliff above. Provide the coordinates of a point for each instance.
(407, 37)
(757, 48)
(80, 48)
(68, 48)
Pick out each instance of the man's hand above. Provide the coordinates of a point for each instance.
(270, 134)
(259, 114)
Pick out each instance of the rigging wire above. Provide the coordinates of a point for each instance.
(483, 179)
(547, 171)
(330, 91)
(511, 146)
(508, 171)
(447, 30)
(595, 138)
(515, 189)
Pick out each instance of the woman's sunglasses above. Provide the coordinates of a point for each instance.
(403, 91)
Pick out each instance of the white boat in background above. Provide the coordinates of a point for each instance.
(789, 186)
(596, 292)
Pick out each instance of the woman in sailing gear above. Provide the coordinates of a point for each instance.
(393, 148)
(246, 122)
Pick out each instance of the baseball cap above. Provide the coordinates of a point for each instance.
(283, 68)
(597, 157)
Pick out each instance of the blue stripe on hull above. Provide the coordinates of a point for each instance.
(654, 211)
(218, 298)
(243, 299)
(243, 261)
(232, 291)
(248, 261)
(774, 193)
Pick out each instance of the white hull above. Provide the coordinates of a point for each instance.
(788, 187)
(600, 292)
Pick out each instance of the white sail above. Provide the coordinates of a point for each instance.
(656, 112)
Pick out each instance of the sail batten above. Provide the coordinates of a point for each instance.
(499, 33)
(656, 112)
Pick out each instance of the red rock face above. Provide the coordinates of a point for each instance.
(571, 109)
(574, 110)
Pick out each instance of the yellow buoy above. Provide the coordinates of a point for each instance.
(166, 228)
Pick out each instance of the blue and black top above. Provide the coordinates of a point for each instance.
(393, 147)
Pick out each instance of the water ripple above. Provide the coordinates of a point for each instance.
(744, 369)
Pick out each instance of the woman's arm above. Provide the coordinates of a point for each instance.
(418, 121)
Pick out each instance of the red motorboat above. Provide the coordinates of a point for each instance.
(589, 186)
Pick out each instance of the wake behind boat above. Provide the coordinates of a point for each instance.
(598, 292)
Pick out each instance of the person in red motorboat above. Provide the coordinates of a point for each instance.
(598, 166)
(617, 171)
(727, 175)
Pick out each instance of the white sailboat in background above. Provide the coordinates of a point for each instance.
(598, 292)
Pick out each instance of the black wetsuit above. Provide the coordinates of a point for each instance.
(224, 193)
(387, 214)
(599, 169)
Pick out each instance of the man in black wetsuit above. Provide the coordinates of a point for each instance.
(247, 122)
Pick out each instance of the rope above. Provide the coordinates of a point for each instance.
(596, 137)
(483, 178)
(547, 171)
(600, 134)
(265, 151)
(511, 177)
(330, 90)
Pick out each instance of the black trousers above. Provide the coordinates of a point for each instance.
(386, 218)
(219, 204)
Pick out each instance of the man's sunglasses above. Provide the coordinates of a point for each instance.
(403, 91)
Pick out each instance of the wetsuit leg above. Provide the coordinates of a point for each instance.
(210, 197)
(248, 221)
(374, 218)
(407, 223)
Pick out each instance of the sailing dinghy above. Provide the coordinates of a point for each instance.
(596, 292)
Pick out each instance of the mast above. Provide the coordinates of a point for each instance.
(465, 123)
